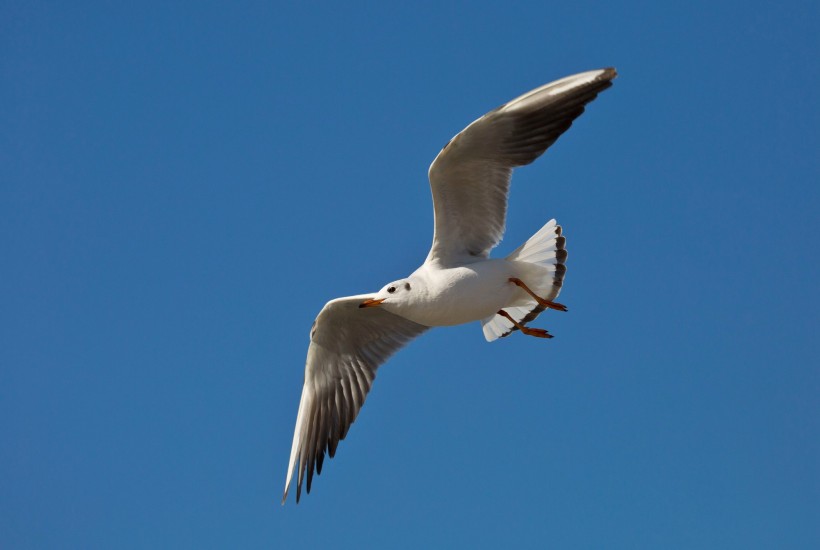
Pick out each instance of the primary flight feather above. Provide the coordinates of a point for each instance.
(458, 282)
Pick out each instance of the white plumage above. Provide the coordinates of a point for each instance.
(458, 282)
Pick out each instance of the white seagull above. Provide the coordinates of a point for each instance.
(458, 282)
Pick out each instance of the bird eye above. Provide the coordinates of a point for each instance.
(406, 286)
(391, 290)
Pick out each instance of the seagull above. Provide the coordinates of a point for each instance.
(458, 281)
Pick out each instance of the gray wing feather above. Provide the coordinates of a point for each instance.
(347, 345)
(470, 177)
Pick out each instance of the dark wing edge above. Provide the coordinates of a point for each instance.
(540, 117)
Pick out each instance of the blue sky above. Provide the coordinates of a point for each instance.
(183, 187)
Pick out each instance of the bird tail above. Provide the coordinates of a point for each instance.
(545, 253)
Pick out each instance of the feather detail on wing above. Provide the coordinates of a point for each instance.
(347, 345)
(470, 177)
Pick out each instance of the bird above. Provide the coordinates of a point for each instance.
(458, 282)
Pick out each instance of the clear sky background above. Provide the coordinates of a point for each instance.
(182, 188)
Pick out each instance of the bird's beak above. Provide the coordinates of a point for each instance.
(370, 302)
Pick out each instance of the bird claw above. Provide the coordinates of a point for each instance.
(537, 332)
(541, 301)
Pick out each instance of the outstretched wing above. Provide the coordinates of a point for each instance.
(470, 177)
(347, 345)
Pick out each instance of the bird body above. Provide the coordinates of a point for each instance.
(446, 296)
(458, 282)
(456, 295)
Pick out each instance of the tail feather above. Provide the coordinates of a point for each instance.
(546, 249)
(498, 327)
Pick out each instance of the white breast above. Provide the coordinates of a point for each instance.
(462, 294)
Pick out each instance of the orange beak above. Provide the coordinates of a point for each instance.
(370, 302)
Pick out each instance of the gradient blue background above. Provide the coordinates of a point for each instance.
(182, 187)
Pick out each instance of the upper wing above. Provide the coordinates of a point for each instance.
(470, 177)
(347, 345)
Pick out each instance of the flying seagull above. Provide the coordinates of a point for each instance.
(458, 282)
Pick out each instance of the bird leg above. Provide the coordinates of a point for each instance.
(537, 332)
(541, 302)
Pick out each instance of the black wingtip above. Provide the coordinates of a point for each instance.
(610, 73)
